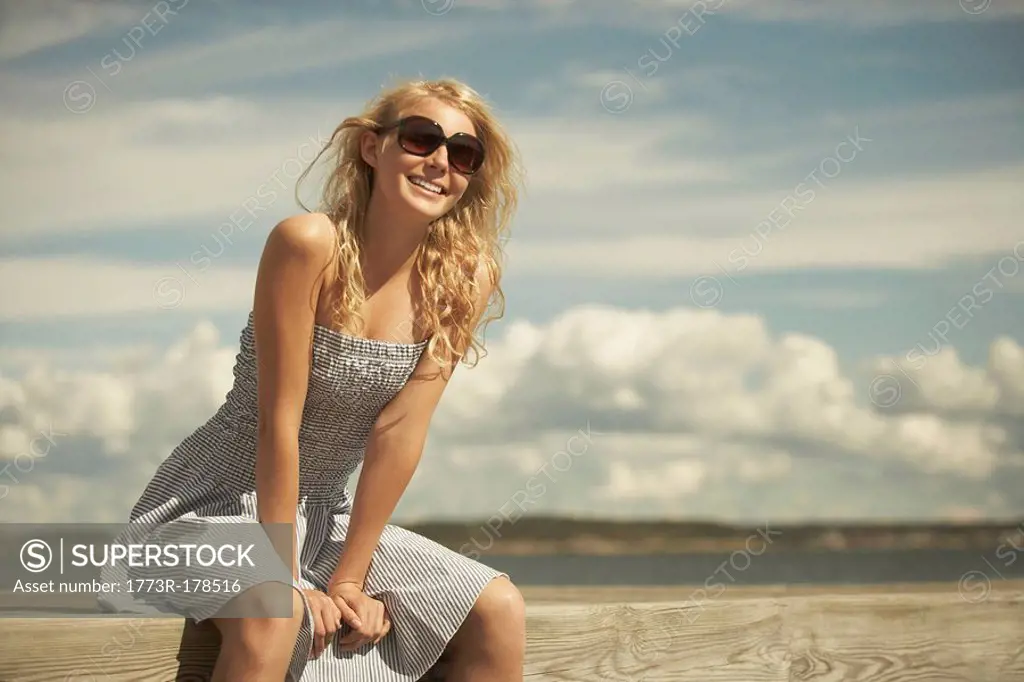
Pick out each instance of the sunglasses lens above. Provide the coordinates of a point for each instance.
(420, 136)
(465, 156)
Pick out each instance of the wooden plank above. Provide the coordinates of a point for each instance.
(930, 634)
(934, 637)
(105, 650)
(660, 642)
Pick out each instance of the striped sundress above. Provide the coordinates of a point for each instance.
(428, 589)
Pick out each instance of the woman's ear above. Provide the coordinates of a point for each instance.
(368, 148)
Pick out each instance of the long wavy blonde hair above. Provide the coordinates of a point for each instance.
(469, 237)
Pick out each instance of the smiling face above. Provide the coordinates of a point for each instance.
(424, 187)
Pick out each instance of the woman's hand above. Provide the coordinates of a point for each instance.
(326, 619)
(365, 615)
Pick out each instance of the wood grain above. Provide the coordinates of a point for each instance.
(933, 637)
(820, 634)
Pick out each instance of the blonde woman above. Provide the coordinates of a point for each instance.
(361, 312)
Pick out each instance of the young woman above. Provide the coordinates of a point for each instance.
(360, 314)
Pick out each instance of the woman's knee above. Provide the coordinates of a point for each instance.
(500, 603)
(268, 600)
(260, 635)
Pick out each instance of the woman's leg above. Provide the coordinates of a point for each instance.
(258, 649)
(491, 644)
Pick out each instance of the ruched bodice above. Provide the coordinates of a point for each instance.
(350, 380)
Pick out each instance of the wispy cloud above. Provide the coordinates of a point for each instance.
(824, 299)
(26, 27)
(156, 161)
(889, 223)
(869, 13)
(196, 65)
(83, 287)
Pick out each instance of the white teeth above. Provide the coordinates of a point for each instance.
(429, 186)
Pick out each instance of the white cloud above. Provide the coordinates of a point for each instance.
(911, 223)
(669, 482)
(592, 156)
(29, 26)
(169, 61)
(926, 379)
(608, 411)
(870, 13)
(157, 161)
(825, 299)
(82, 287)
(867, 14)
(155, 46)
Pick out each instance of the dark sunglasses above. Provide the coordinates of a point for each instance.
(421, 136)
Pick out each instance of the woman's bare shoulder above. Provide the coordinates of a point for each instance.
(309, 237)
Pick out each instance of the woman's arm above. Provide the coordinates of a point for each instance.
(392, 454)
(284, 311)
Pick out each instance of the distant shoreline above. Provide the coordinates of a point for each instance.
(554, 535)
(541, 536)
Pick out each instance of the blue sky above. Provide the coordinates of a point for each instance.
(839, 175)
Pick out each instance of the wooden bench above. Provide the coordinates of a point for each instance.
(831, 634)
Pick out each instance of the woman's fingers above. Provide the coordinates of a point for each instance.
(367, 619)
(326, 621)
(319, 628)
(380, 624)
(385, 625)
(347, 613)
(376, 623)
(332, 618)
(352, 614)
(364, 633)
(354, 639)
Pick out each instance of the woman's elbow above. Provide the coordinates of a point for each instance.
(397, 439)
